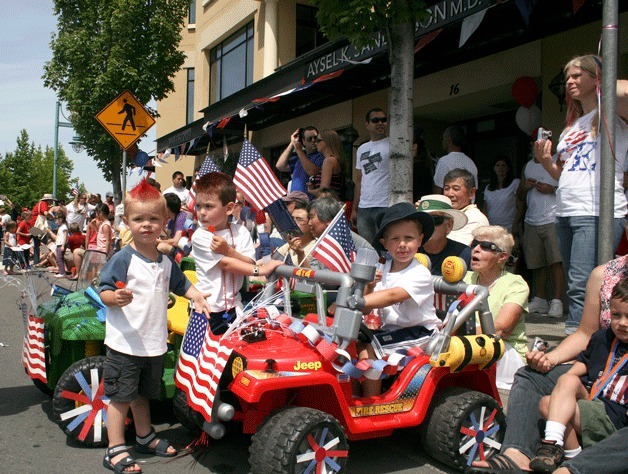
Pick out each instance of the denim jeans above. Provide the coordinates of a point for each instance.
(367, 222)
(36, 250)
(609, 456)
(523, 419)
(578, 243)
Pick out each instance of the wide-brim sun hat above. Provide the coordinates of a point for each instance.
(398, 212)
(48, 197)
(432, 203)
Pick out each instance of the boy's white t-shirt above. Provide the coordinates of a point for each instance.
(579, 153)
(418, 310)
(211, 279)
(141, 327)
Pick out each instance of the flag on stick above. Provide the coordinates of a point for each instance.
(335, 248)
(255, 179)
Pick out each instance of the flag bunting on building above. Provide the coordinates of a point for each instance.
(254, 178)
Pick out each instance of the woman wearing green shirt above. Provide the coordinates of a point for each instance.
(507, 299)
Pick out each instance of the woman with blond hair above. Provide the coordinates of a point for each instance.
(507, 296)
(332, 173)
(576, 166)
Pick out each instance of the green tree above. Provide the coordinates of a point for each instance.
(26, 173)
(359, 21)
(103, 48)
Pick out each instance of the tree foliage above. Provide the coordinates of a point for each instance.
(103, 48)
(26, 173)
(359, 21)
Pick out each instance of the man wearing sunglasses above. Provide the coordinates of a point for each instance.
(371, 184)
(453, 140)
(459, 188)
(301, 158)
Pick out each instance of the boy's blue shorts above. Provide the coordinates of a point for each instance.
(126, 376)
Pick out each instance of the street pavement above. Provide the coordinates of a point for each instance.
(31, 442)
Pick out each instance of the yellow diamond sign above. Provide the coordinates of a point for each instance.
(125, 119)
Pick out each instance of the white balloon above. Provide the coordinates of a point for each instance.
(528, 119)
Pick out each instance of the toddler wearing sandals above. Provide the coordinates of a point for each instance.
(591, 399)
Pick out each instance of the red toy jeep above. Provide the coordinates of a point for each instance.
(289, 381)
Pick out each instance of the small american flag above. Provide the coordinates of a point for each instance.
(255, 179)
(201, 363)
(208, 166)
(75, 191)
(33, 353)
(336, 250)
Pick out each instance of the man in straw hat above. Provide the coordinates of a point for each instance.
(446, 219)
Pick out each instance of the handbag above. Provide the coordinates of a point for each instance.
(40, 226)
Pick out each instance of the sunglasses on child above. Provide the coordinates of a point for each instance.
(379, 120)
(486, 245)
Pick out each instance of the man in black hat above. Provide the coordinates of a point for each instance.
(405, 293)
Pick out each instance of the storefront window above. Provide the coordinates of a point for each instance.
(308, 34)
(231, 64)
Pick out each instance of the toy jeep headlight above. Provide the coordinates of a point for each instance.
(238, 364)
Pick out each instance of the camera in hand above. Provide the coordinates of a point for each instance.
(543, 134)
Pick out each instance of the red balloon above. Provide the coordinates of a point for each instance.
(525, 90)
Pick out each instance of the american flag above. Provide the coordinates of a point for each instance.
(208, 166)
(75, 191)
(336, 250)
(201, 363)
(255, 179)
(33, 353)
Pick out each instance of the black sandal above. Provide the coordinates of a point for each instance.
(120, 466)
(160, 449)
(498, 464)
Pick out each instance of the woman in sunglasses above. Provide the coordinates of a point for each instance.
(507, 299)
(332, 174)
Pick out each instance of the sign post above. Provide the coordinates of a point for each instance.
(126, 120)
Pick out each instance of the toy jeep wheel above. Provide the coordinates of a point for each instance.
(298, 440)
(189, 418)
(463, 426)
(79, 405)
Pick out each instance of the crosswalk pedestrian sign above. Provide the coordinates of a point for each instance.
(125, 119)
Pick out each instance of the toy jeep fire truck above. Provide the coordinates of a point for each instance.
(288, 381)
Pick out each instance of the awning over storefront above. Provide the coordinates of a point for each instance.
(337, 72)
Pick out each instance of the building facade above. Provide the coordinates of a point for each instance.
(261, 69)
